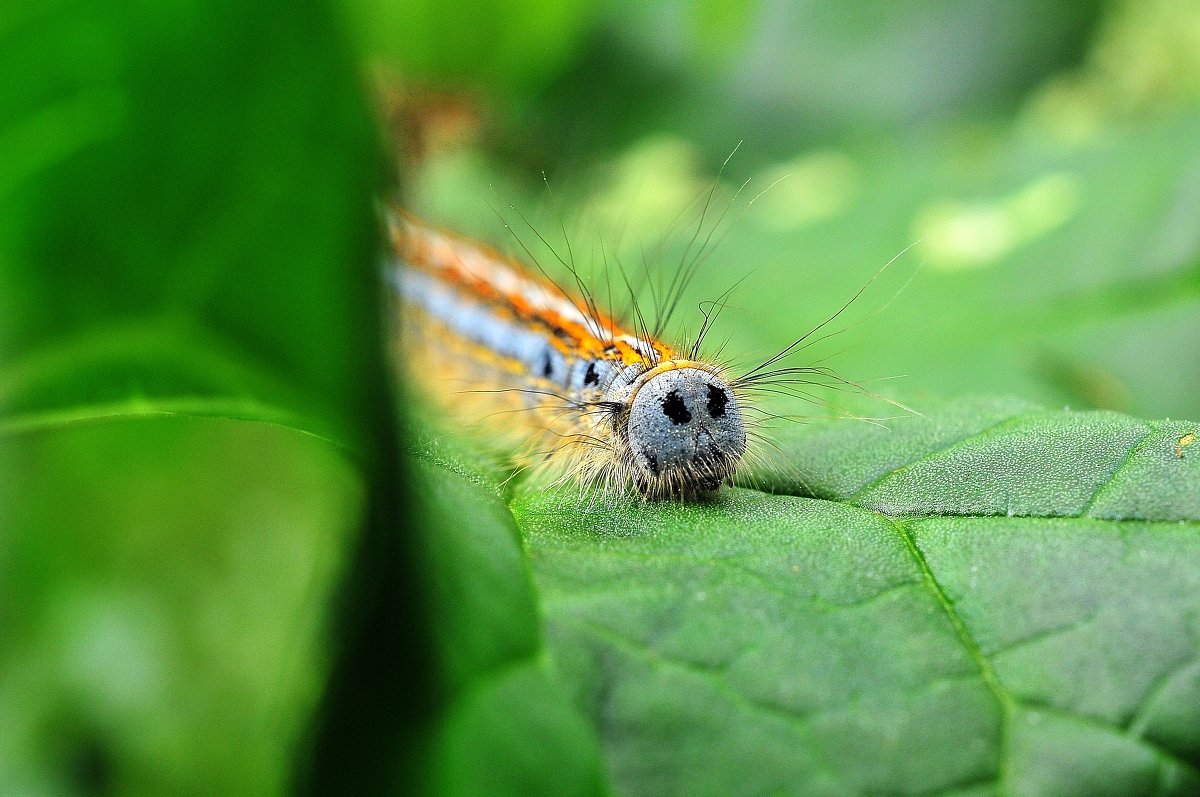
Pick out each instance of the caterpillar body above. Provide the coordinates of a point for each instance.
(605, 405)
(620, 408)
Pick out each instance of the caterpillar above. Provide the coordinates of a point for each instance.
(608, 406)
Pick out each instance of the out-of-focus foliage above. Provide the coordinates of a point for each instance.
(186, 238)
(167, 584)
(995, 598)
(1055, 253)
(506, 48)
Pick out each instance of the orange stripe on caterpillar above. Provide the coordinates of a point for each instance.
(613, 408)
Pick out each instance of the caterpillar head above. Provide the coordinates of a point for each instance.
(685, 432)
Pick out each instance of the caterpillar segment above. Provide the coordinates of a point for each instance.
(599, 403)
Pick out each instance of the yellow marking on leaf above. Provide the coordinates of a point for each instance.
(1183, 443)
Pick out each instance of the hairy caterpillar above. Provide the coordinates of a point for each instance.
(610, 406)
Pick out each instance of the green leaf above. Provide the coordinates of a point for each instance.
(145, 651)
(1000, 457)
(994, 599)
(186, 246)
(1093, 306)
(506, 714)
(511, 47)
(187, 238)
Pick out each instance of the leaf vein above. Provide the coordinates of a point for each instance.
(1162, 754)
(1004, 700)
(1121, 466)
(184, 407)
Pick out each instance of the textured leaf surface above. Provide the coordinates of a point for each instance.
(992, 600)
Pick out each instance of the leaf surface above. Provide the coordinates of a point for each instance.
(993, 599)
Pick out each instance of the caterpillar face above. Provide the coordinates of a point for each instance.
(685, 433)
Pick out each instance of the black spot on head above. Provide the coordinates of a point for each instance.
(590, 377)
(548, 366)
(718, 400)
(675, 409)
(652, 461)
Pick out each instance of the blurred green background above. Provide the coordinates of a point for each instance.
(204, 587)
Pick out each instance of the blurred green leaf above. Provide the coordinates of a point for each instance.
(204, 240)
(504, 47)
(186, 230)
(786, 75)
(164, 614)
